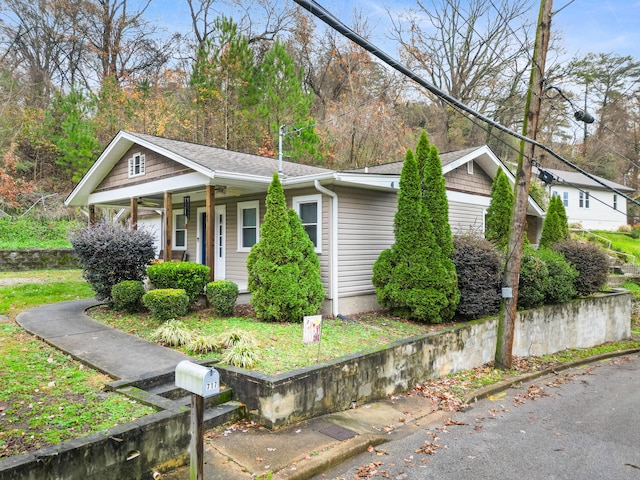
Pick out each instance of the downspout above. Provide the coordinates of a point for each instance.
(334, 245)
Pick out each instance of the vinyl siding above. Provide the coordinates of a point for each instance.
(465, 217)
(365, 229)
(156, 167)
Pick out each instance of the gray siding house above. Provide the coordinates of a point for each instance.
(207, 204)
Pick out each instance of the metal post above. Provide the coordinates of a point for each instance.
(281, 132)
(196, 447)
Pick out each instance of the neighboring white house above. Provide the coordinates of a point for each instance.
(588, 203)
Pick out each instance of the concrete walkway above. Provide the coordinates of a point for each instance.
(120, 355)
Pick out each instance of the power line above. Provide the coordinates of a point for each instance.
(320, 12)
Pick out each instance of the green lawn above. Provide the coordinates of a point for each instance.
(46, 396)
(622, 242)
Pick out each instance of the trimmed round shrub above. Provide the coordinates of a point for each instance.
(533, 280)
(166, 303)
(562, 275)
(222, 296)
(190, 276)
(479, 268)
(110, 254)
(591, 262)
(127, 295)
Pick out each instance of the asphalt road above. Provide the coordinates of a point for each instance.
(580, 424)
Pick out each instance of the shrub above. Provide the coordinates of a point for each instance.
(189, 276)
(498, 218)
(555, 228)
(591, 262)
(479, 268)
(127, 295)
(166, 303)
(562, 275)
(284, 270)
(412, 278)
(532, 284)
(110, 254)
(222, 296)
(172, 333)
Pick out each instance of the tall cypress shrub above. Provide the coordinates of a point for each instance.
(555, 228)
(283, 280)
(498, 219)
(410, 277)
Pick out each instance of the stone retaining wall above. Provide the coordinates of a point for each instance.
(48, 259)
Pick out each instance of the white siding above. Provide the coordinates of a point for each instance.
(600, 215)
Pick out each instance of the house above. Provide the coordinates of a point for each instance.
(589, 204)
(211, 202)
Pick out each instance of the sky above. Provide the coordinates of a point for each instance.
(598, 26)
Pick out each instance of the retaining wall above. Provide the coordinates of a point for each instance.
(280, 400)
(48, 259)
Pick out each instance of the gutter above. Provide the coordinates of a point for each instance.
(334, 245)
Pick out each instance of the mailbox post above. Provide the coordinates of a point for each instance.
(202, 382)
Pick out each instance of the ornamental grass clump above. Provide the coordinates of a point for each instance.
(172, 333)
(204, 344)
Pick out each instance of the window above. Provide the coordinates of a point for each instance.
(565, 198)
(615, 202)
(584, 199)
(179, 230)
(309, 209)
(248, 225)
(470, 167)
(136, 165)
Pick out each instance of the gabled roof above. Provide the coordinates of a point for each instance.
(211, 162)
(579, 180)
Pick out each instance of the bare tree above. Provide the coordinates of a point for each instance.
(476, 50)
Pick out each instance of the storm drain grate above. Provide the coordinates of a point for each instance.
(338, 432)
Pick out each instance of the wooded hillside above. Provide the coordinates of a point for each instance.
(74, 72)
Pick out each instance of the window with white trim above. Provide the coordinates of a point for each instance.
(583, 199)
(615, 201)
(470, 167)
(179, 230)
(136, 165)
(309, 209)
(248, 225)
(565, 199)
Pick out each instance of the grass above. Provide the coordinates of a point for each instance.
(622, 242)
(39, 288)
(46, 396)
(28, 233)
(280, 344)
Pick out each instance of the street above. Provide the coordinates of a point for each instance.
(583, 423)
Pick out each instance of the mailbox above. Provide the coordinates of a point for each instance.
(198, 379)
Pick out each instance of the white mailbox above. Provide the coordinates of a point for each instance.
(198, 379)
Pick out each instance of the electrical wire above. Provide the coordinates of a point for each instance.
(320, 12)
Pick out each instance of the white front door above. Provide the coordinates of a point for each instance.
(219, 239)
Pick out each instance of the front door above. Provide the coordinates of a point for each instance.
(219, 239)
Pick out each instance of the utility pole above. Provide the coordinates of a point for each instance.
(511, 274)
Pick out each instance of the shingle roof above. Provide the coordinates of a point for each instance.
(577, 179)
(395, 168)
(221, 160)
